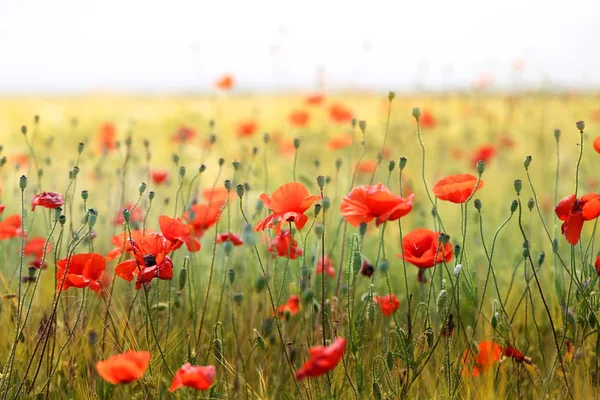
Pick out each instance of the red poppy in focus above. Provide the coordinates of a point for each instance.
(483, 153)
(246, 128)
(322, 359)
(80, 271)
(225, 82)
(299, 118)
(136, 215)
(35, 247)
(597, 144)
(282, 245)
(366, 166)
(124, 368)
(340, 113)
(329, 270)
(489, 353)
(456, 188)
(202, 217)
(514, 354)
(427, 120)
(292, 306)
(48, 200)
(178, 233)
(288, 203)
(388, 304)
(340, 141)
(315, 99)
(229, 237)
(159, 176)
(422, 248)
(368, 202)
(107, 137)
(194, 376)
(122, 243)
(10, 227)
(574, 212)
(183, 134)
(150, 260)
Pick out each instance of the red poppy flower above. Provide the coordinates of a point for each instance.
(287, 147)
(299, 118)
(136, 215)
(280, 245)
(178, 233)
(367, 269)
(218, 196)
(288, 203)
(489, 353)
(48, 200)
(388, 304)
(340, 113)
(368, 202)
(574, 212)
(513, 353)
(2, 207)
(35, 247)
(322, 359)
(427, 120)
(456, 188)
(197, 377)
(483, 153)
(159, 176)
(315, 99)
(597, 144)
(122, 243)
(202, 217)
(366, 166)
(229, 237)
(107, 137)
(329, 270)
(225, 82)
(246, 128)
(340, 141)
(20, 160)
(124, 368)
(10, 227)
(597, 265)
(150, 260)
(292, 306)
(422, 248)
(81, 271)
(183, 134)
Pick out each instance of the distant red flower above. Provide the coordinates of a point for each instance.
(123, 243)
(178, 233)
(150, 260)
(387, 304)
(340, 113)
(513, 353)
(137, 215)
(483, 153)
(422, 248)
(218, 196)
(299, 118)
(597, 144)
(322, 359)
(124, 368)
(107, 137)
(366, 166)
(20, 160)
(368, 202)
(282, 245)
(315, 99)
(292, 306)
(288, 203)
(10, 227)
(183, 134)
(226, 82)
(202, 217)
(229, 237)
(489, 353)
(197, 377)
(287, 147)
(456, 153)
(246, 128)
(574, 212)
(48, 200)
(341, 141)
(427, 120)
(159, 176)
(35, 247)
(456, 188)
(80, 271)
(506, 142)
(329, 269)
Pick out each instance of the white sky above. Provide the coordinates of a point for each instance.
(78, 45)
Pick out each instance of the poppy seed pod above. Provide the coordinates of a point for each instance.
(80, 147)
(384, 266)
(416, 113)
(531, 204)
(391, 165)
(259, 283)
(24, 130)
(228, 247)
(202, 168)
(513, 206)
(527, 161)
(402, 163)
(296, 143)
(221, 162)
(236, 165)
(391, 95)
(142, 188)
(175, 158)
(480, 167)
(23, 182)
(557, 134)
(151, 195)
(212, 138)
(338, 163)
(477, 204)
(240, 190)
(62, 220)
(317, 209)
(238, 297)
(84, 194)
(75, 172)
(266, 138)
(228, 185)
(518, 184)
(182, 171)
(326, 203)
(362, 124)
(126, 215)
(93, 216)
(321, 181)
(580, 125)
(231, 275)
(541, 259)
(353, 122)
(57, 212)
(2, 161)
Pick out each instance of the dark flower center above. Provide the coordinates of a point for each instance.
(149, 260)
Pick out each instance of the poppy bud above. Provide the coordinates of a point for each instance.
(93, 216)
(513, 206)
(221, 162)
(357, 262)
(457, 270)
(57, 212)
(238, 297)
(84, 194)
(338, 163)
(389, 360)
(457, 251)
(308, 296)
(557, 134)
(202, 168)
(182, 278)
(391, 165)
(530, 204)
(580, 125)
(362, 124)
(526, 162)
(236, 165)
(477, 203)
(384, 266)
(494, 320)
(228, 247)
(80, 147)
(480, 167)
(126, 215)
(376, 391)
(296, 143)
(326, 203)
(362, 229)
(24, 130)
(429, 336)
(518, 184)
(525, 252)
(321, 181)
(227, 185)
(218, 350)
(62, 220)
(142, 188)
(151, 195)
(240, 190)
(259, 283)
(231, 275)
(379, 158)
(402, 163)
(541, 259)
(23, 182)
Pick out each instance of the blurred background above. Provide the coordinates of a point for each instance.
(71, 46)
